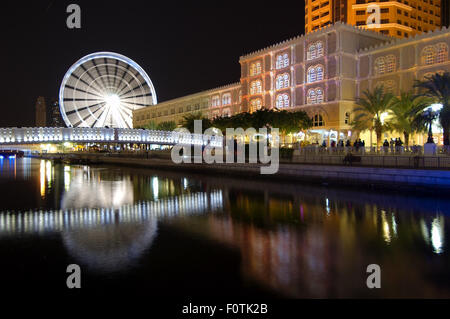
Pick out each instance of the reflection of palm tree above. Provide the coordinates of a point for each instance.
(437, 87)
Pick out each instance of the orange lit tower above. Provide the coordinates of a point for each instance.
(397, 18)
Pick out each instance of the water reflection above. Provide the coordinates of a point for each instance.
(300, 240)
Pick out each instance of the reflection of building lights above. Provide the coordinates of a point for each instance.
(394, 225)
(437, 230)
(185, 183)
(48, 169)
(155, 187)
(327, 203)
(67, 177)
(42, 178)
(386, 230)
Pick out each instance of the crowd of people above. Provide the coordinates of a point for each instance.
(359, 146)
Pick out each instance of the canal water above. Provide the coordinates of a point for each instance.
(159, 233)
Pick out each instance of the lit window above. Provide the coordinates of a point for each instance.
(390, 63)
(226, 99)
(311, 74)
(282, 81)
(315, 51)
(226, 112)
(428, 55)
(315, 73)
(442, 52)
(215, 101)
(319, 73)
(282, 101)
(380, 66)
(255, 105)
(282, 61)
(311, 99)
(319, 94)
(255, 68)
(255, 87)
(315, 96)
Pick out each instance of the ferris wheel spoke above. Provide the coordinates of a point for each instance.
(96, 67)
(132, 90)
(85, 83)
(85, 108)
(116, 68)
(81, 90)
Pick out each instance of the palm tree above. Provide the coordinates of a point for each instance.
(404, 114)
(437, 87)
(188, 121)
(370, 111)
(167, 126)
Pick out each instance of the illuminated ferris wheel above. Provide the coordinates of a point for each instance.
(102, 89)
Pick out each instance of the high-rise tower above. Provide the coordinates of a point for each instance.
(41, 112)
(396, 18)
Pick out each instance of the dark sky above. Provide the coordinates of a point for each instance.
(184, 46)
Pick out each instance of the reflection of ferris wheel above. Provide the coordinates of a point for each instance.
(102, 89)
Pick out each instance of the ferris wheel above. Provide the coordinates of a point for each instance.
(102, 89)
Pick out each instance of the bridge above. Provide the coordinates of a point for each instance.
(47, 135)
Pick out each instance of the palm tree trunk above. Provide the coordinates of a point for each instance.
(446, 136)
(378, 132)
(406, 135)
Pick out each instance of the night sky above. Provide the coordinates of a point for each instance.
(184, 46)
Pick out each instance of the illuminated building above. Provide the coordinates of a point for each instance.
(397, 18)
(321, 73)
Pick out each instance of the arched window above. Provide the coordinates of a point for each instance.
(282, 61)
(215, 101)
(255, 105)
(311, 98)
(315, 73)
(319, 73)
(282, 101)
(315, 96)
(311, 53)
(226, 112)
(319, 48)
(380, 66)
(428, 55)
(314, 51)
(319, 95)
(390, 63)
(282, 81)
(311, 75)
(318, 120)
(226, 99)
(255, 87)
(255, 68)
(442, 52)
